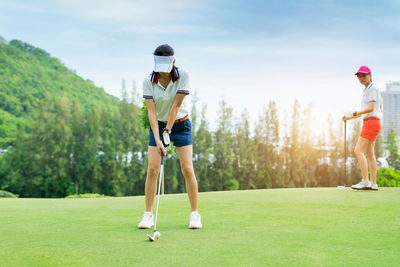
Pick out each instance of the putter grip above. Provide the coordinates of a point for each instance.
(162, 159)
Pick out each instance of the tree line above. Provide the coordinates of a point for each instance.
(105, 151)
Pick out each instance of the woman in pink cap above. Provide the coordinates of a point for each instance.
(371, 112)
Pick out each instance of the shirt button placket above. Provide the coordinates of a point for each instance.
(165, 91)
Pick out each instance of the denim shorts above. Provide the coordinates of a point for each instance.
(181, 133)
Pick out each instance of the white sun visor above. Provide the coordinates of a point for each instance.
(163, 63)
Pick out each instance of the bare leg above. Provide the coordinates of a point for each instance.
(372, 161)
(185, 157)
(360, 149)
(153, 170)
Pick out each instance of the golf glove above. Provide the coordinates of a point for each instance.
(165, 138)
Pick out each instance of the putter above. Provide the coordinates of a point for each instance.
(157, 234)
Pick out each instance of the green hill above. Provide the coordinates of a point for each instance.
(27, 74)
(278, 227)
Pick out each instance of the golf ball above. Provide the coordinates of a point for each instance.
(157, 235)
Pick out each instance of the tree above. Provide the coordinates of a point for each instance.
(94, 171)
(41, 151)
(296, 164)
(59, 146)
(392, 145)
(222, 167)
(272, 139)
(244, 151)
(202, 152)
(310, 155)
(266, 150)
(78, 146)
(284, 155)
(16, 167)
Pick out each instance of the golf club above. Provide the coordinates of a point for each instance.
(345, 154)
(156, 234)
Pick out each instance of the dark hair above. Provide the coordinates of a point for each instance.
(164, 50)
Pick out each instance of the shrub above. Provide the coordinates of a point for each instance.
(388, 177)
(7, 194)
(86, 195)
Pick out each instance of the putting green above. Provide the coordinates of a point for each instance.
(278, 227)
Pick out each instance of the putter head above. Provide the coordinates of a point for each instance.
(155, 237)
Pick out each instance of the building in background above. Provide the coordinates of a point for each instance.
(391, 107)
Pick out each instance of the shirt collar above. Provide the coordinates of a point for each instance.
(175, 75)
(369, 86)
(154, 77)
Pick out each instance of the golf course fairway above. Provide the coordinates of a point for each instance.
(274, 227)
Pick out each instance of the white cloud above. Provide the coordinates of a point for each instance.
(157, 29)
(150, 17)
(144, 15)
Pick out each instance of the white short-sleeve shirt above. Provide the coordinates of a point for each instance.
(164, 97)
(372, 94)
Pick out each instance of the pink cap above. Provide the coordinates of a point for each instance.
(363, 69)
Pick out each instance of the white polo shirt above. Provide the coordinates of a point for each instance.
(372, 94)
(164, 97)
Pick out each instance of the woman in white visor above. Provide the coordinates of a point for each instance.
(166, 92)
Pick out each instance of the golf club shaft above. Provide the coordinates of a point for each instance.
(159, 187)
(345, 151)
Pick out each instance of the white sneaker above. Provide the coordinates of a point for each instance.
(147, 221)
(374, 186)
(363, 185)
(195, 220)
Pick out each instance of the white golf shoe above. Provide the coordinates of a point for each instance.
(363, 185)
(147, 221)
(195, 220)
(374, 186)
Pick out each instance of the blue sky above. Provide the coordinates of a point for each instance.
(247, 52)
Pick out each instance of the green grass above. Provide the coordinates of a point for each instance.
(280, 227)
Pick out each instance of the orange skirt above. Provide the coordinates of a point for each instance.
(371, 128)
